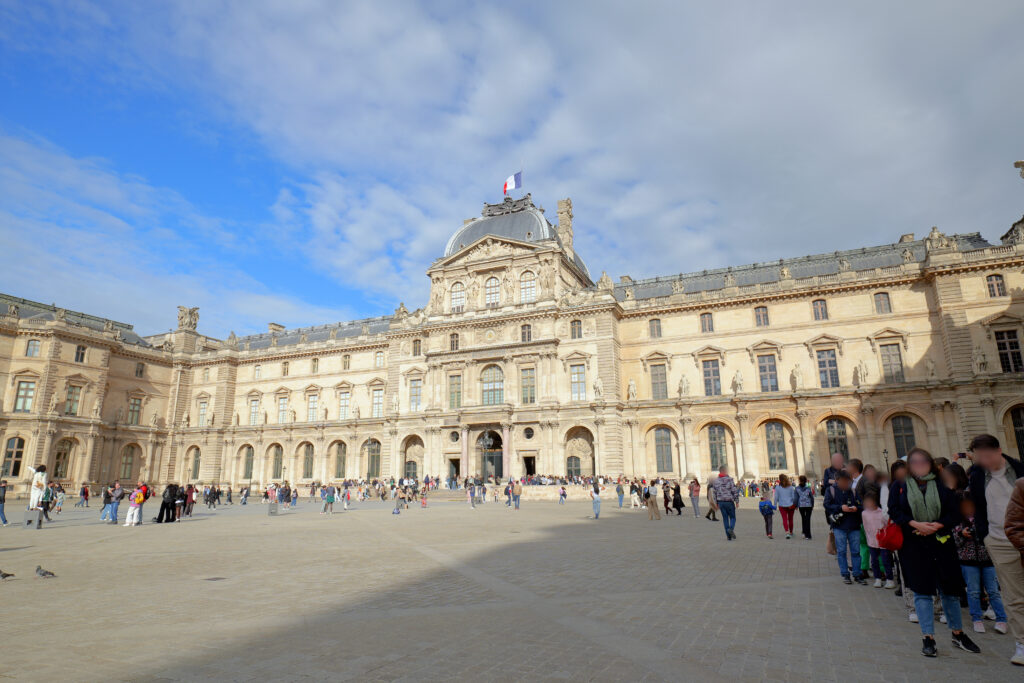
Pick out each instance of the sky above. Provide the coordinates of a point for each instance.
(303, 162)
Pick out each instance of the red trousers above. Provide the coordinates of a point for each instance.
(787, 518)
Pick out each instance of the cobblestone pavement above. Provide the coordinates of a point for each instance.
(451, 593)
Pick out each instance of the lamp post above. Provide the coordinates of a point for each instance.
(885, 454)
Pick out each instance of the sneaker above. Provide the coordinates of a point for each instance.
(961, 641)
(789, 536)
(1001, 627)
(913, 617)
(769, 535)
(928, 648)
(1018, 655)
(890, 584)
(990, 614)
(861, 581)
(979, 627)
(877, 583)
(847, 580)
(942, 618)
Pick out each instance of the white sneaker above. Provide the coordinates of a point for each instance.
(1018, 655)
(913, 617)
(942, 618)
(979, 627)
(877, 583)
(890, 584)
(1001, 627)
(990, 614)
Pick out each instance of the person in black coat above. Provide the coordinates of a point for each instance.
(927, 511)
(167, 513)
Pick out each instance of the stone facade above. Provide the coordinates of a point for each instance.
(521, 363)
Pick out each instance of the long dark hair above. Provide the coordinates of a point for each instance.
(958, 474)
(931, 461)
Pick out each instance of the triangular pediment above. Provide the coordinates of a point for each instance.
(656, 357)
(823, 340)
(888, 333)
(77, 378)
(1000, 320)
(765, 346)
(486, 248)
(707, 352)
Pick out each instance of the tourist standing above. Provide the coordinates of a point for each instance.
(712, 503)
(977, 568)
(694, 491)
(116, 495)
(843, 511)
(873, 520)
(651, 499)
(517, 493)
(666, 498)
(634, 495)
(620, 492)
(595, 497)
(677, 499)
(785, 499)
(727, 495)
(3, 501)
(927, 512)
(832, 472)
(166, 512)
(805, 503)
(992, 481)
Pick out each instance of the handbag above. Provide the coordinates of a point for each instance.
(830, 544)
(890, 537)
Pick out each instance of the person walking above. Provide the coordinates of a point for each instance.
(843, 512)
(805, 503)
(517, 493)
(785, 498)
(666, 498)
(767, 511)
(651, 499)
(3, 501)
(83, 496)
(727, 495)
(595, 497)
(927, 513)
(694, 491)
(712, 503)
(991, 485)
(620, 492)
(677, 499)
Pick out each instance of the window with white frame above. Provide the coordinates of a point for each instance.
(26, 393)
(343, 403)
(453, 341)
(282, 409)
(377, 404)
(378, 359)
(415, 393)
(346, 362)
(312, 403)
(578, 382)
(576, 329)
(458, 297)
(32, 348)
(528, 385)
(254, 410)
(820, 308)
(828, 369)
(492, 292)
(527, 288)
(206, 374)
(202, 414)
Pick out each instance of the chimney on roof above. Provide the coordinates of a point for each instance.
(909, 237)
(274, 328)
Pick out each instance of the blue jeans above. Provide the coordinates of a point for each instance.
(515, 499)
(975, 578)
(561, 500)
(3, 517)
(597, 508)
(728, 510)
(621, 496)
(109, 511)
(885, 556)
(925, 609)
(848, 539)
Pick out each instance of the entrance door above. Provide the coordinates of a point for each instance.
(530, 463)
(489, 445)
(453, 468)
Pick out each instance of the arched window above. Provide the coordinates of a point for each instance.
(835, 431)
(196, 462)
(663, 449)
(527, 288)
(761, 316)
(576, 329)
(775, 440)
(32, 348)
(128, 461)
(458, 297)
(346, 362)
(996, 285)
(572, 466)
(492, 382)
(417, 347)
(492, 292)
(277, 461)
(13, 454)
(307, 462)
(453, 341)
(820, 309)
(716, 446)
(339, 460)
(903, 434)
(79, 354)
(247, 461)
(654, 328)
(62, 458)
(882, 304)
(707, 323)
(526, 333)
(372, 458)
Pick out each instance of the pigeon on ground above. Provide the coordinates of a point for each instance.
(43, 574)
(4, 575)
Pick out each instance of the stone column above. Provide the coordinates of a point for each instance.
(954, 417)
(152, 472)
(744, 450)
(810, 469)
(988, 408)
(939, 409)
(690, 450)
(464, 439)
(90, 454)
(871, 452)
(506, 459)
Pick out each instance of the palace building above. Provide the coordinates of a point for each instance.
(522, 362)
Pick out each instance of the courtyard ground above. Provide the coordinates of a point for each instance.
(450, 593)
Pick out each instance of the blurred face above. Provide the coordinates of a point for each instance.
(989, 458)
(967, 507)
(948, 479)
(843, 484)
(837, 461)
(918, 465)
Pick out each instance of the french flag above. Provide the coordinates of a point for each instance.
(514, 181)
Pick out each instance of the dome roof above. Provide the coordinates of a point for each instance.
(516, 219)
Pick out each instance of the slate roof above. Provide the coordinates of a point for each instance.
(806, 266)
(33, 310)
(343, 330)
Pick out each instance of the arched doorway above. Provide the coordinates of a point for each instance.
(489, 446)
(412, 451)
(1013, 425)
(579, 452)
(62, 457)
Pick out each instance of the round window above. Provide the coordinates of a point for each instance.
(528, 432)
(454, 436)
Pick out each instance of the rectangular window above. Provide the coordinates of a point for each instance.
(576, 329)
(377, 409)
(346, 362)
(654, 328)
(775, 438)
(417, 347)
(415, 393)
(761, 316)
(312, 403)
(659, 382)
(892, 363)
(712, 380)
(528, 382)
(206, 374)
(284, 369)
(32, 348)
(828, 369)
(882, 303)
(255, 372)
(314, 365)
(767, 372)
(343, 401)
(378, 359)
(202, 414)
(453, 342)
(1009, 351)
(454, 392)
(135, 410)
(282, 409)
(80, 354)
(23, 399)
(71, 401)
(996, 285)
(254, 410)
(578, 382)
(140, 369)
(820, 309)
(707, 323)
(527, 289)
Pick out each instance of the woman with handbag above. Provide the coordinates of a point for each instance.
(927, 512)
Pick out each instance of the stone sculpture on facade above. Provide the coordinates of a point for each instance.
(796, 378)
(631, 391)
(188, 318)
(598, 387)
(980, 361)
(684, 387)
(861, 372)
(929, 365)
(12, 310)
(737, 383)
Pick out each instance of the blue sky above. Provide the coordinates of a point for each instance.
(303, 162)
